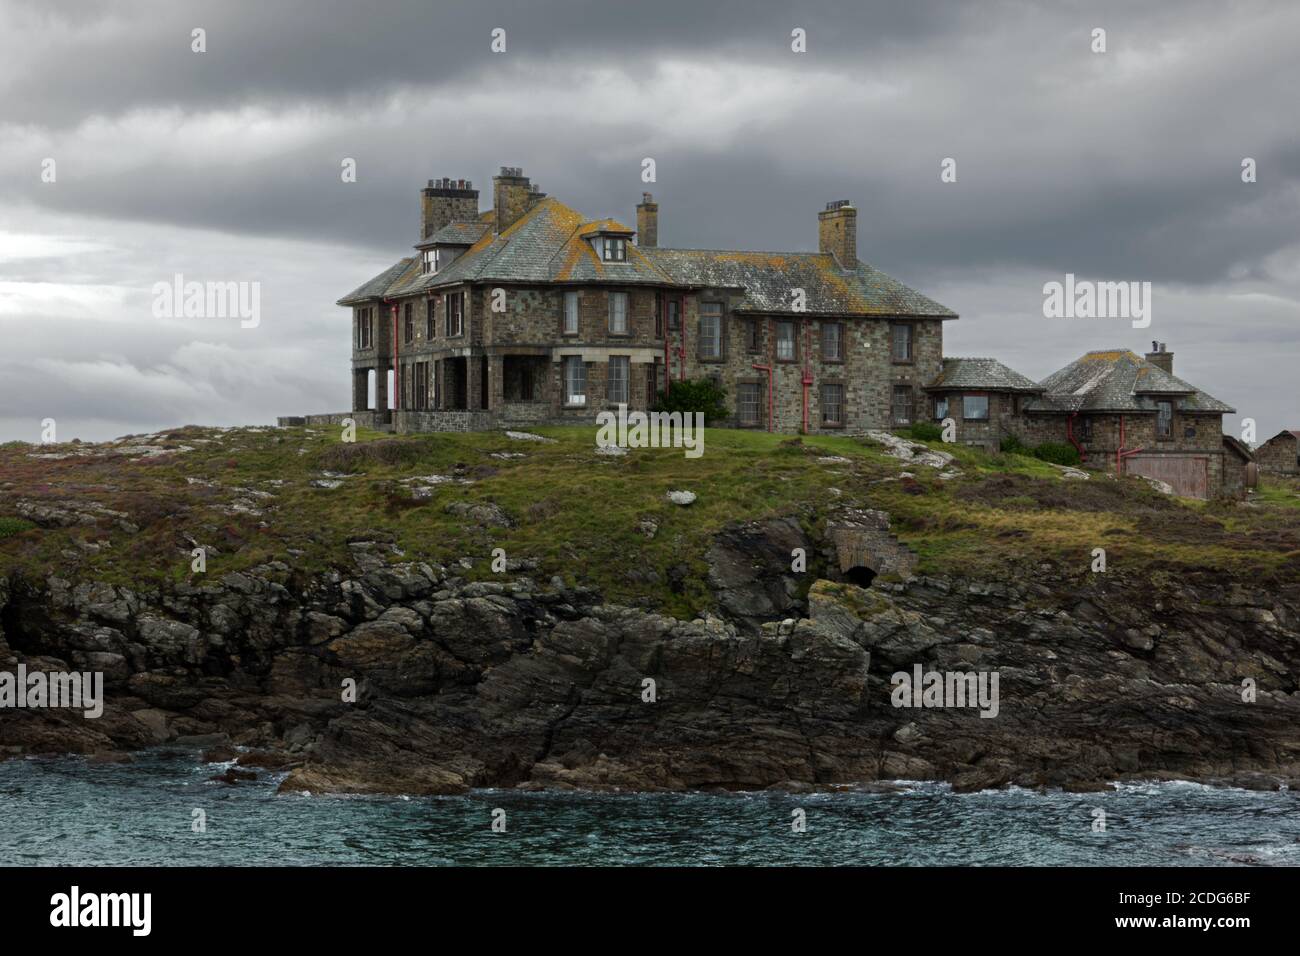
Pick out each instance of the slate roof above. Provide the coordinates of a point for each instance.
(551, 243)
(1240, 447)
(376, 287)
(770, 278)
(458, 233)
(1117, 380)
(982, 374)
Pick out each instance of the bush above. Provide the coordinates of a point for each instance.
(1012, 445)
(1057, 453)
(702, 395)
(925, 431)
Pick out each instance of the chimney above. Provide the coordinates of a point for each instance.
(837, 232)
(512, 196)
(647, 222)
(445, 200)
(1160, 357)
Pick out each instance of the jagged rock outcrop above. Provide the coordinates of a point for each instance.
(463, 685)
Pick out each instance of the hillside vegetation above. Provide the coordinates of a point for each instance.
(132, 511)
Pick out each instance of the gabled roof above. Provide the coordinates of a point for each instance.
(982, 374)
(545, 244)
(1240, 447)
(770, 278)
(1287, 433)
(376, 288)
(1117, 380)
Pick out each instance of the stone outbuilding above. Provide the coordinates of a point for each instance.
(1280, 455)
(984, 399)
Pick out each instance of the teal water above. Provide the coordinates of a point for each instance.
(67, 812)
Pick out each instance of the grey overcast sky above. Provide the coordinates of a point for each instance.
(225, 166)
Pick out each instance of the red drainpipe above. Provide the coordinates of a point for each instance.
(681, 349)
(807, 372)
(768, 370)
(1121, 453)
(397, 374)
(668, 371)
(1069, 433)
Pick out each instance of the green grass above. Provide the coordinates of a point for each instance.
(579, 515)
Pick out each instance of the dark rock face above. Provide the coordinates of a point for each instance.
(461, 685)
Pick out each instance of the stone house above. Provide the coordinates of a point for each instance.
(530, 312)
(1123, 413)
(1280, 455)
(984, 399)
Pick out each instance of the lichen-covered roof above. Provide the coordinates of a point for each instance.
(457, 233)
(982, 374)
(551, 243)
(377, 287)
(769, 281)
(1118, 380)
(546, 244)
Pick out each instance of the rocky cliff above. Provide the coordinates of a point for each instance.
(508, 683)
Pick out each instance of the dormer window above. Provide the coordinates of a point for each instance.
(430, 264)
(614, 250)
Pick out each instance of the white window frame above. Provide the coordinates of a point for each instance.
(616, 386)
(786, 348)
(618, 311)
(575, 376)
(570, 313)
(710, 312)
(614, 249)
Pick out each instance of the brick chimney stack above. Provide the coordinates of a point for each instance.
(837, 232)
(444, 200)
(647, 222)
(1160, 357)
(512, 196)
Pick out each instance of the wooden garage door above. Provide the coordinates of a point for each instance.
(1188, 475)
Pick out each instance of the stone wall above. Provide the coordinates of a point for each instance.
(1277, 456)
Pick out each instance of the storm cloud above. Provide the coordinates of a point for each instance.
(224, 166)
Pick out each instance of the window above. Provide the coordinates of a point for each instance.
(975, 408)
(365, 328)
(430, 306)
(832, 342)
(1164, 420)
(615, 250)
(941, 408)
(570, 313)
(710, 330)
(753, 342)
(575, 380)
(1083, 428)
(618, 313)
(456, 313)
(659, 315)
(652, 373)
(902, 405)
(408, 324)
(832, 404)
(785, 339)
(674, 315)
(902, 339)
(749, 403)
(616, 383)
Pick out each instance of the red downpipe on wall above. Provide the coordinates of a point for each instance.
(1121, 452)
(668, 371)
(681, 349)
(807, 372)
(768, 370)
(1069, 433)
(397, 375)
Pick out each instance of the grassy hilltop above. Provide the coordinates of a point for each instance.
(131, 511)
